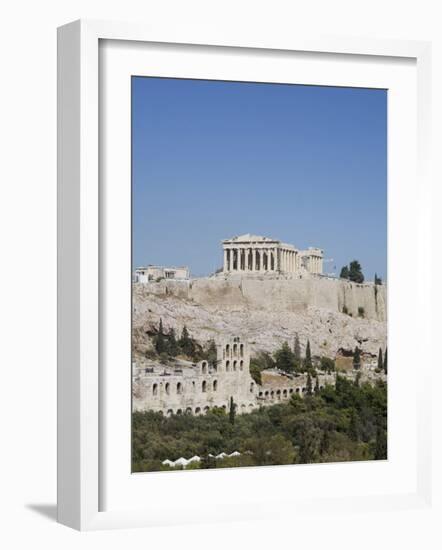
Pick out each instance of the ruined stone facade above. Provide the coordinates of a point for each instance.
(196, 388)
(154, 272)
(255, 254)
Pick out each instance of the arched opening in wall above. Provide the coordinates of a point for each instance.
(252, 386)
(278, 394)
(188, 410)
(272, 394)
(179, 411)
(227, 366)
(204, 386)
(234, 365)
(241, 350)
(304, 390)
(198, 410)
(228, 350)
(179, 388)
(266, 394)
(243, 406)
(235, 350)
(204, 367)
(193, 386)
(241, 365)
(161, 413)
(215, 385)
(170, 412)
(251, 406)
(284, 393)
(291, 390)
(297, 390)
(321, 387)
(155, 389)
(260, 394)
(206, 409)
(167, 388)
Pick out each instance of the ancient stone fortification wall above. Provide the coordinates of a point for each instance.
(281, 294)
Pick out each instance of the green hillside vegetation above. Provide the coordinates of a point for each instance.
(347, 422)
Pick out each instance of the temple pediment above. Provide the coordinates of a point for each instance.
(248, 237)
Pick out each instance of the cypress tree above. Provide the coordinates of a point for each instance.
(344, 273)
(308, 356)
(380, 360)
(357, 358)
(186, 343)
(309, 385)
(317, 385)
(160, 342)
(297, 353)
(385, 360)
(173, 345)
(232, 410)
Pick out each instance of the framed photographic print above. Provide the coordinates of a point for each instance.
(239, 226)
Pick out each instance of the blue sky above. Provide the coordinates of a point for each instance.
(212, 159)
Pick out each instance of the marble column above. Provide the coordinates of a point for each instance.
(225, 260)
(253, 259)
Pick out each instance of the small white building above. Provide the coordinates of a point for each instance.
(152, 273)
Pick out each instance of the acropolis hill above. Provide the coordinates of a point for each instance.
(267, 306)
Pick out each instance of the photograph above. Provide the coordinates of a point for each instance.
(258, 273)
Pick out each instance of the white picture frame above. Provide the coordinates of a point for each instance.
(80, 295)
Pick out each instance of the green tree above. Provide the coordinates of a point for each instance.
(327, 365)
(309, 385)
(232, 411)
(160, 341)
(317, 386)
(357, 358)
(385, 361)
(380, 360)
(308, 357)
(186, 344)
(284, 358)
(355, 272)
(380, 452)
(172, 343)
(353, 429)
(211, 353)
(297, 352)
(345, 274)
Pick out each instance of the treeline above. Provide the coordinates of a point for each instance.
(346, 422)
(167, 346)
(290, 361)
(353, 272)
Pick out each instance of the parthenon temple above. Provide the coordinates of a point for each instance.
(255, 254)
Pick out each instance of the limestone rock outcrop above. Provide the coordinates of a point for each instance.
(333, 314)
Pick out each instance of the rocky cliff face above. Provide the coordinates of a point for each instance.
(266, 312)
